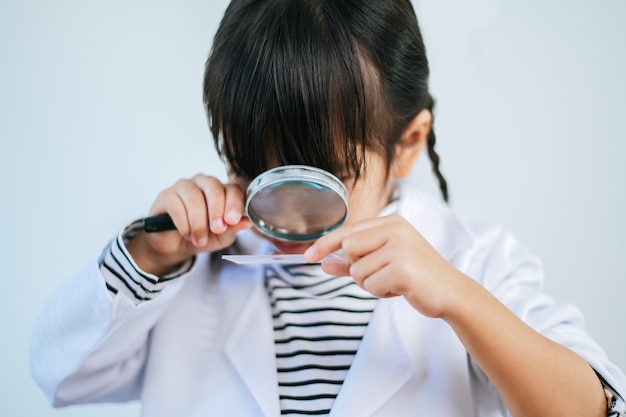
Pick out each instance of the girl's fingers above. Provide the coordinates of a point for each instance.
(196, 207)
(227, 238)
(380, 285)
(327, 244)
(214, 196)
(225, 207)
(355, 239)
(336, 268)
(207, 216)
(365, 241)
(369, 264)
(234, 205)
(170, 202)
(362, 257)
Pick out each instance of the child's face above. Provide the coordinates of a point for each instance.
(366, 197)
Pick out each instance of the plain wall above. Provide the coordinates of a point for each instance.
(100, 108)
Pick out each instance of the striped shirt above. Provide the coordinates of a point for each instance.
(319, 321)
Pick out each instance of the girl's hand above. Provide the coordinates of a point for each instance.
(207, 215)
(388, 257)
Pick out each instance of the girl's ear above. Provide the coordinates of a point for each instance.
(413, 140)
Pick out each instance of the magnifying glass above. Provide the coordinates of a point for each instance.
(295, 203)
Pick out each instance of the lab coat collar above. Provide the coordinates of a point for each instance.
(380, 368)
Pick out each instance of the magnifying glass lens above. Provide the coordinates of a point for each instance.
(296, 203)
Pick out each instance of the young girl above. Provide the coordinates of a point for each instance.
(424, 318)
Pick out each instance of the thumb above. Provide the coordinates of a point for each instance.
(228, 236)
(243, 224)
(340, 269)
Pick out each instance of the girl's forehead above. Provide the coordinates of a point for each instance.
(373, 163)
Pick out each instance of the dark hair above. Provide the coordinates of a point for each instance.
(315, 82)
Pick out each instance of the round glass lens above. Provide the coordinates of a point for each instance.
(296, 203)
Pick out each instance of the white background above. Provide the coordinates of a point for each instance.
(100, 108)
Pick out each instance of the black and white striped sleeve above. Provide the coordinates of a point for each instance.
(122, 275)
(616, 405)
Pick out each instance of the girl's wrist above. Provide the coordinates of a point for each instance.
(472, 306)
(447, 296)
(149, 260)
(462, 295)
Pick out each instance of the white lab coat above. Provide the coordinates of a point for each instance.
(204, 346)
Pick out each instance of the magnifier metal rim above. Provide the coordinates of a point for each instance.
(296, 173)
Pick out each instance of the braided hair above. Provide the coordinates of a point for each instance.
(434, 159)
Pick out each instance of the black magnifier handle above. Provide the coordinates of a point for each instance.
(158, 223)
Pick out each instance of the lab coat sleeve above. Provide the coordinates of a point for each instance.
(90, 344)
(515, 277)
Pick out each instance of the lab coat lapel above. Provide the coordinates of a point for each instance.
(250, 347)
(382, 364)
